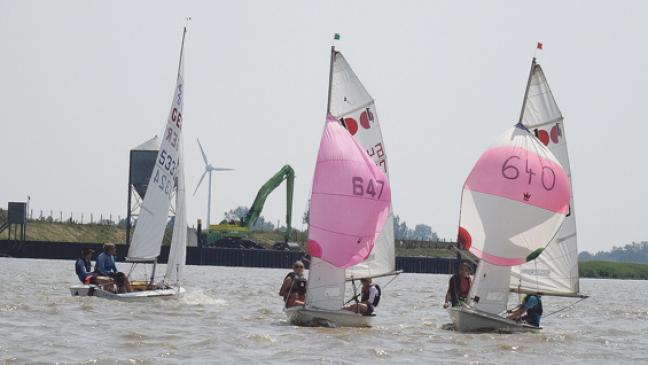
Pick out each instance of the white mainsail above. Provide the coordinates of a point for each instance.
(355, 108)
(150, 226)
(490, 290)
(178, 249)
(325, 286)
(555, 271)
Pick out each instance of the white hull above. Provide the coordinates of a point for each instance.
(466, 319)
(95, 291)
(301, 316)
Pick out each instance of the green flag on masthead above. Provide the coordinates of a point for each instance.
(336, 36)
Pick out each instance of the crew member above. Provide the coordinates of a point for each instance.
(83, 267)
(529, 311)
(459, 286)
(106, 266)
(369, 300)
(293, 289)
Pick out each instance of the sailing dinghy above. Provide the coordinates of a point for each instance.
(351, 106)
(167, 183)
(350, 203)
(513, 203)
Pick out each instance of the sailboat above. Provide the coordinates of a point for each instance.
(167, 183)
(513, 203)
(350, 107)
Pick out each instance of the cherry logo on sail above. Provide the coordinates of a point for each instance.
(553, 135)
(366, 118)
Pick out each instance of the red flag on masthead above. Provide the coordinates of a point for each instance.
(539, 45)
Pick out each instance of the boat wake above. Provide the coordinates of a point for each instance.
(198, 297)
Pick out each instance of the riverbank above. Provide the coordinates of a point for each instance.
(102, 233)
(612, 270)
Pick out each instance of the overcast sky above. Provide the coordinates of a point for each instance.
(82, 82)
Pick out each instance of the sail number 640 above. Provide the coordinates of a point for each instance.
(362, 189)
(510, 171)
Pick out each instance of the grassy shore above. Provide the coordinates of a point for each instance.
(70, 232)
(612, 270)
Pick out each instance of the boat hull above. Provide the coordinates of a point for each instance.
(95, 291)
(311, 317)
(470, 320)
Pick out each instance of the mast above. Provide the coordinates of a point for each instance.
(526, 92)
(184, 33)
(328, 101)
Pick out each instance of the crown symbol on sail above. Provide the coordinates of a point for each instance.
(527, 196)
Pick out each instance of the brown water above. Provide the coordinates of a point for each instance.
(233, 315)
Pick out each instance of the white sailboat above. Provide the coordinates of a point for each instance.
(513, 203)
(350, 104)
(167, 182)
(555, 270)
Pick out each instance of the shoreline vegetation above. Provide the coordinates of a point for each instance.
(613, 270)
(101, 233)
(98, 233)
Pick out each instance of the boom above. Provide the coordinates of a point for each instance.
(286, 173)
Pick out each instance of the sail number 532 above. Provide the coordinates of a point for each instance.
(371, 187)
(511, 171)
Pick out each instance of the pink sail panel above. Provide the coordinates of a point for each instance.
(519, 174)
(350, 200)
(514, 200)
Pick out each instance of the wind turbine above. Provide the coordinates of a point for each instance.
(208, 169)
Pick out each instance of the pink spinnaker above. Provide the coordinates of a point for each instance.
(514, 200)
(350, 200)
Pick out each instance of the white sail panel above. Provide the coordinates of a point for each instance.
(490, 291)
(555, 271)
(154, 212)
(178, 249)
(355, 108)
(325, 288)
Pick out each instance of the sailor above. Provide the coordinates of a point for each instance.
(459, 286)
(83, 267)
(529, 311)
(84, 271)
(106, 266)
(293, 289)
(369, 300)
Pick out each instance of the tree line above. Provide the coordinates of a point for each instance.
(636, 252)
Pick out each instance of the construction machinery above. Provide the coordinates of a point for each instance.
(235, 234)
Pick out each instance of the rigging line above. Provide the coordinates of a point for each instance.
(565, 308)
(390, 281)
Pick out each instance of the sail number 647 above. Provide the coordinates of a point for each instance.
(511, 171)
(369, 188)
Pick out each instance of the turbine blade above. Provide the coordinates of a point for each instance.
(199, 182)
(221, 169)
(203, 152)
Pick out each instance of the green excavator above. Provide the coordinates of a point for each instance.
(235, 234)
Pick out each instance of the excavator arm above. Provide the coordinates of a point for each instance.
(286, 173)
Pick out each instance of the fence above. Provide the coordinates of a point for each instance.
(211, 256)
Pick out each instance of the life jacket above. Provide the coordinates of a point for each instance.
(533, 310)
(455, 292)
(88, 267)
(365, 296)
(298, 283)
